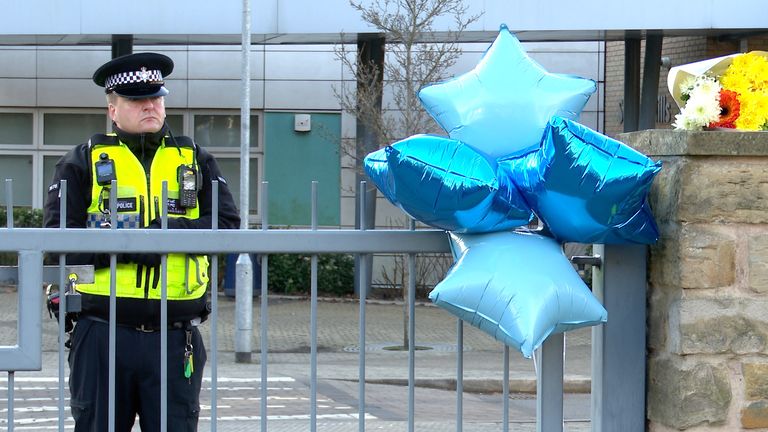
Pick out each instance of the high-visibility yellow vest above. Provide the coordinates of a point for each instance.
(138, 203)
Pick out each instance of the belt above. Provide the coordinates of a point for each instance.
(146, 328)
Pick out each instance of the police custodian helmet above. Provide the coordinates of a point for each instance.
(135, 76)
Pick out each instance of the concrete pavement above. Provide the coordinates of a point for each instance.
(338, 358)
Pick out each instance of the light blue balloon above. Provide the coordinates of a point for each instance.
(446, 184)
(585, 186)
(517, 287)
(503, 105)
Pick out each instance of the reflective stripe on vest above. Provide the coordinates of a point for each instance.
(138, 203)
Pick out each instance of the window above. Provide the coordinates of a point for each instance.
(176, 123)
(16, 128)
(33, 140)
(19, 169)
(230, 167)
(71, 129)
(223, 130)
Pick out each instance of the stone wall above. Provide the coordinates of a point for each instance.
(708, 281)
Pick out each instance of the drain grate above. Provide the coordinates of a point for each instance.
(398, 347)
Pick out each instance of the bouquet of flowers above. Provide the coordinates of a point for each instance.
(725, 92)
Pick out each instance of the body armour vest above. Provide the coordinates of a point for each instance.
(138, 198)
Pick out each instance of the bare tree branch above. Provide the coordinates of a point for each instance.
(413, 61)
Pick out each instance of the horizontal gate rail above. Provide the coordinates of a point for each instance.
(223, 241)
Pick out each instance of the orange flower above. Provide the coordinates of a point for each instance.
(729, 109)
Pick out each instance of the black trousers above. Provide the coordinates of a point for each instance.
(137, 379)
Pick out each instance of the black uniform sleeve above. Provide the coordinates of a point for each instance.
(229, 217)
(72, 167)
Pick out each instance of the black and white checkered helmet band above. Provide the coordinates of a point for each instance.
(141, 76)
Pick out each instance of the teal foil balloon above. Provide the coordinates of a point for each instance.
(503, 105)
(585, 186)
(446, 184)
(517, 287)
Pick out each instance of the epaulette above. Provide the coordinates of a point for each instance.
(102, 139)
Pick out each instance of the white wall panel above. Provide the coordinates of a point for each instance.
(223, 64)
(18, 92)
(300, 95)
(17, 63)
(348, 126)
(588, 119)
(585, 46)
(389, 215)
(600, 96)
(347, 211)
(69, 63)
(305, 65)
(53, 92)
(594, 101)
(465, 63)
(601, 64)
(178, 97)
(222, 94)
(180, 58)
(579, 64)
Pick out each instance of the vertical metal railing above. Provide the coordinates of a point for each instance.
(549, 384)
(264, 306)
(214, 351)
(63, 280)
(112, 311)
(9, 224)
(411, 334)
(363, 284)
(313, 321)
(164, 316)
(459, 375)
(505, 389)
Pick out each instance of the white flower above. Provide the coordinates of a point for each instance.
(687, 86)
(706, 87)
(684, 121)
(703, 105)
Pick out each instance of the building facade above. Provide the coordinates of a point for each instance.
(48, 104)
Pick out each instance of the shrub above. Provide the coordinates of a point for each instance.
(23, 217)
(290, 274)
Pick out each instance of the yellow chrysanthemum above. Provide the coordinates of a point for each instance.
(748, 76)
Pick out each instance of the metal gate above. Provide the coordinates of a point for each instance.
(618, 348)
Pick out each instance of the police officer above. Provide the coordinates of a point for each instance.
(140, 154)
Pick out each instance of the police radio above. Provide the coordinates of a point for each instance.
(105, 170)
(187, 176)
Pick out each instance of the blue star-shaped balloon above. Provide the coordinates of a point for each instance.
(446, 184)
(585, 186)
(517, 287)
(504, 103)
(514, 148)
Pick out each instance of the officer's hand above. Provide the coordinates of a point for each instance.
(146, 259)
